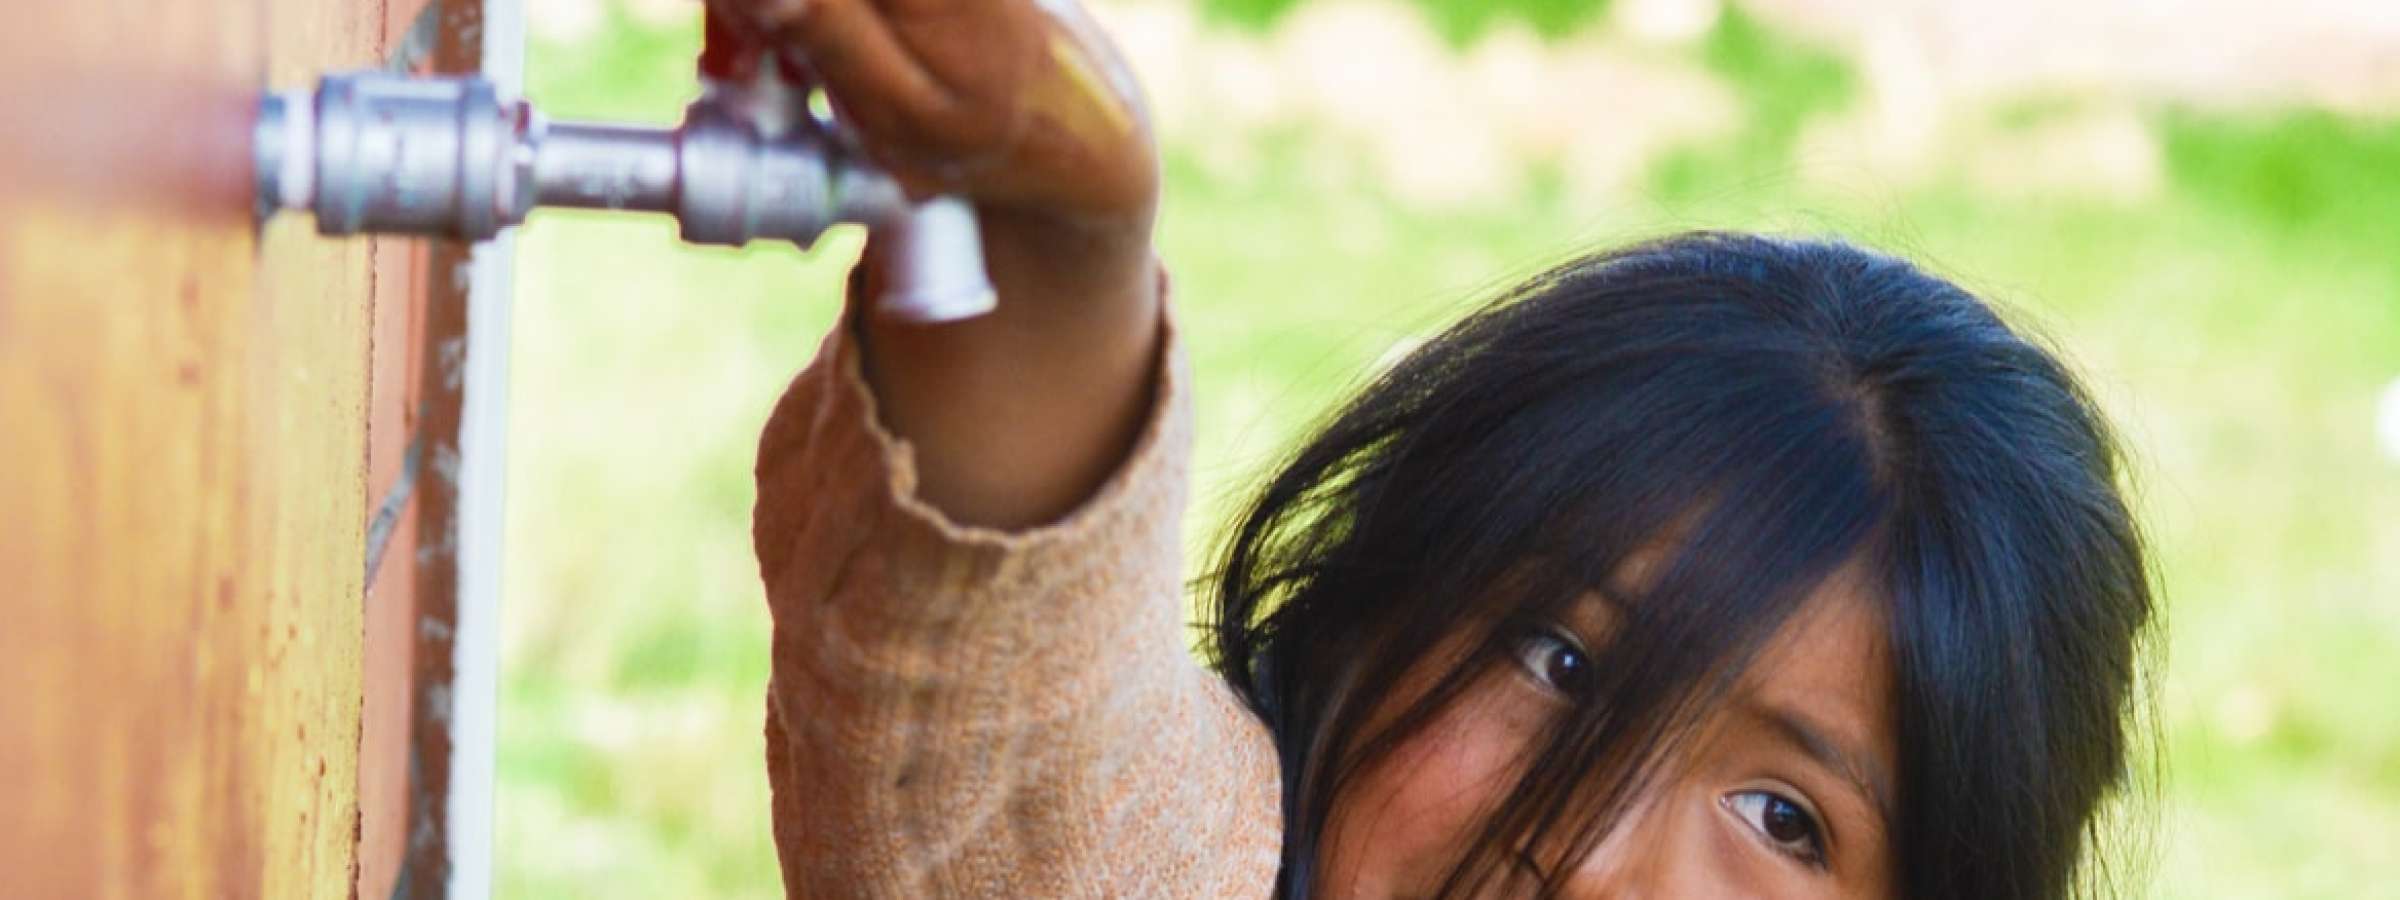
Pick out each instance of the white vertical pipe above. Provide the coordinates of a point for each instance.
(483, 467)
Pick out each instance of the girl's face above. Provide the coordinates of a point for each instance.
(1784, 791)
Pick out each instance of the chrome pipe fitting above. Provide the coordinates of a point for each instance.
(373, 152)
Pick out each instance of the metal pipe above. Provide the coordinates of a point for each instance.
(373, 152)
(592, 166)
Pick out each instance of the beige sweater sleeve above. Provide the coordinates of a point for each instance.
(961, 712)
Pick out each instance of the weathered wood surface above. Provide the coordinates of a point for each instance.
(186, 478)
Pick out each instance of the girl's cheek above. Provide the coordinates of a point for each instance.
(1480, 745)
(1415, 813)
(1458, 769)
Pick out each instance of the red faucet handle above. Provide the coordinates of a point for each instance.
(730, 51)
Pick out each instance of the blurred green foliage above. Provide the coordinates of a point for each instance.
(1459, 21)
(2307, 172)
(1782, 85)
(2238, 326)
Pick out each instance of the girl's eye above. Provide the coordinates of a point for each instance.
(1784, 823)
(1557, 660)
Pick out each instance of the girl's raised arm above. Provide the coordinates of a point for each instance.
(969, 533)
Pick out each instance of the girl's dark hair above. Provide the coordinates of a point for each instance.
(1781, 407)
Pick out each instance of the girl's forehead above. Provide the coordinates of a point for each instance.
(1834, 651)
(1829, 670)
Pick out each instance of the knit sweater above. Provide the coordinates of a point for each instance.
(962, 712)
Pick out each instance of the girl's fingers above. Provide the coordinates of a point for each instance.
(937, 91)
(883, 90)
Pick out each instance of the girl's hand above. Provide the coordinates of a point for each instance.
(1025, 108)
(1021, 105)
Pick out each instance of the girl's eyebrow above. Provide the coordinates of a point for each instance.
(1595, 614)
(1814, 741)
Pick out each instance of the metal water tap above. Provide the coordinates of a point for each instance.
(375, 152)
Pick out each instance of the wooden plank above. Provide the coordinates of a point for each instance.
(183, 418)
(425, 766)
(394, 460)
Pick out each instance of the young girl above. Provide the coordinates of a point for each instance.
(1716, 566)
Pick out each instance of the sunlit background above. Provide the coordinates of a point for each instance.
(2198, 201)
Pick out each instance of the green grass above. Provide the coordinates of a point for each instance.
(2238, 327)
